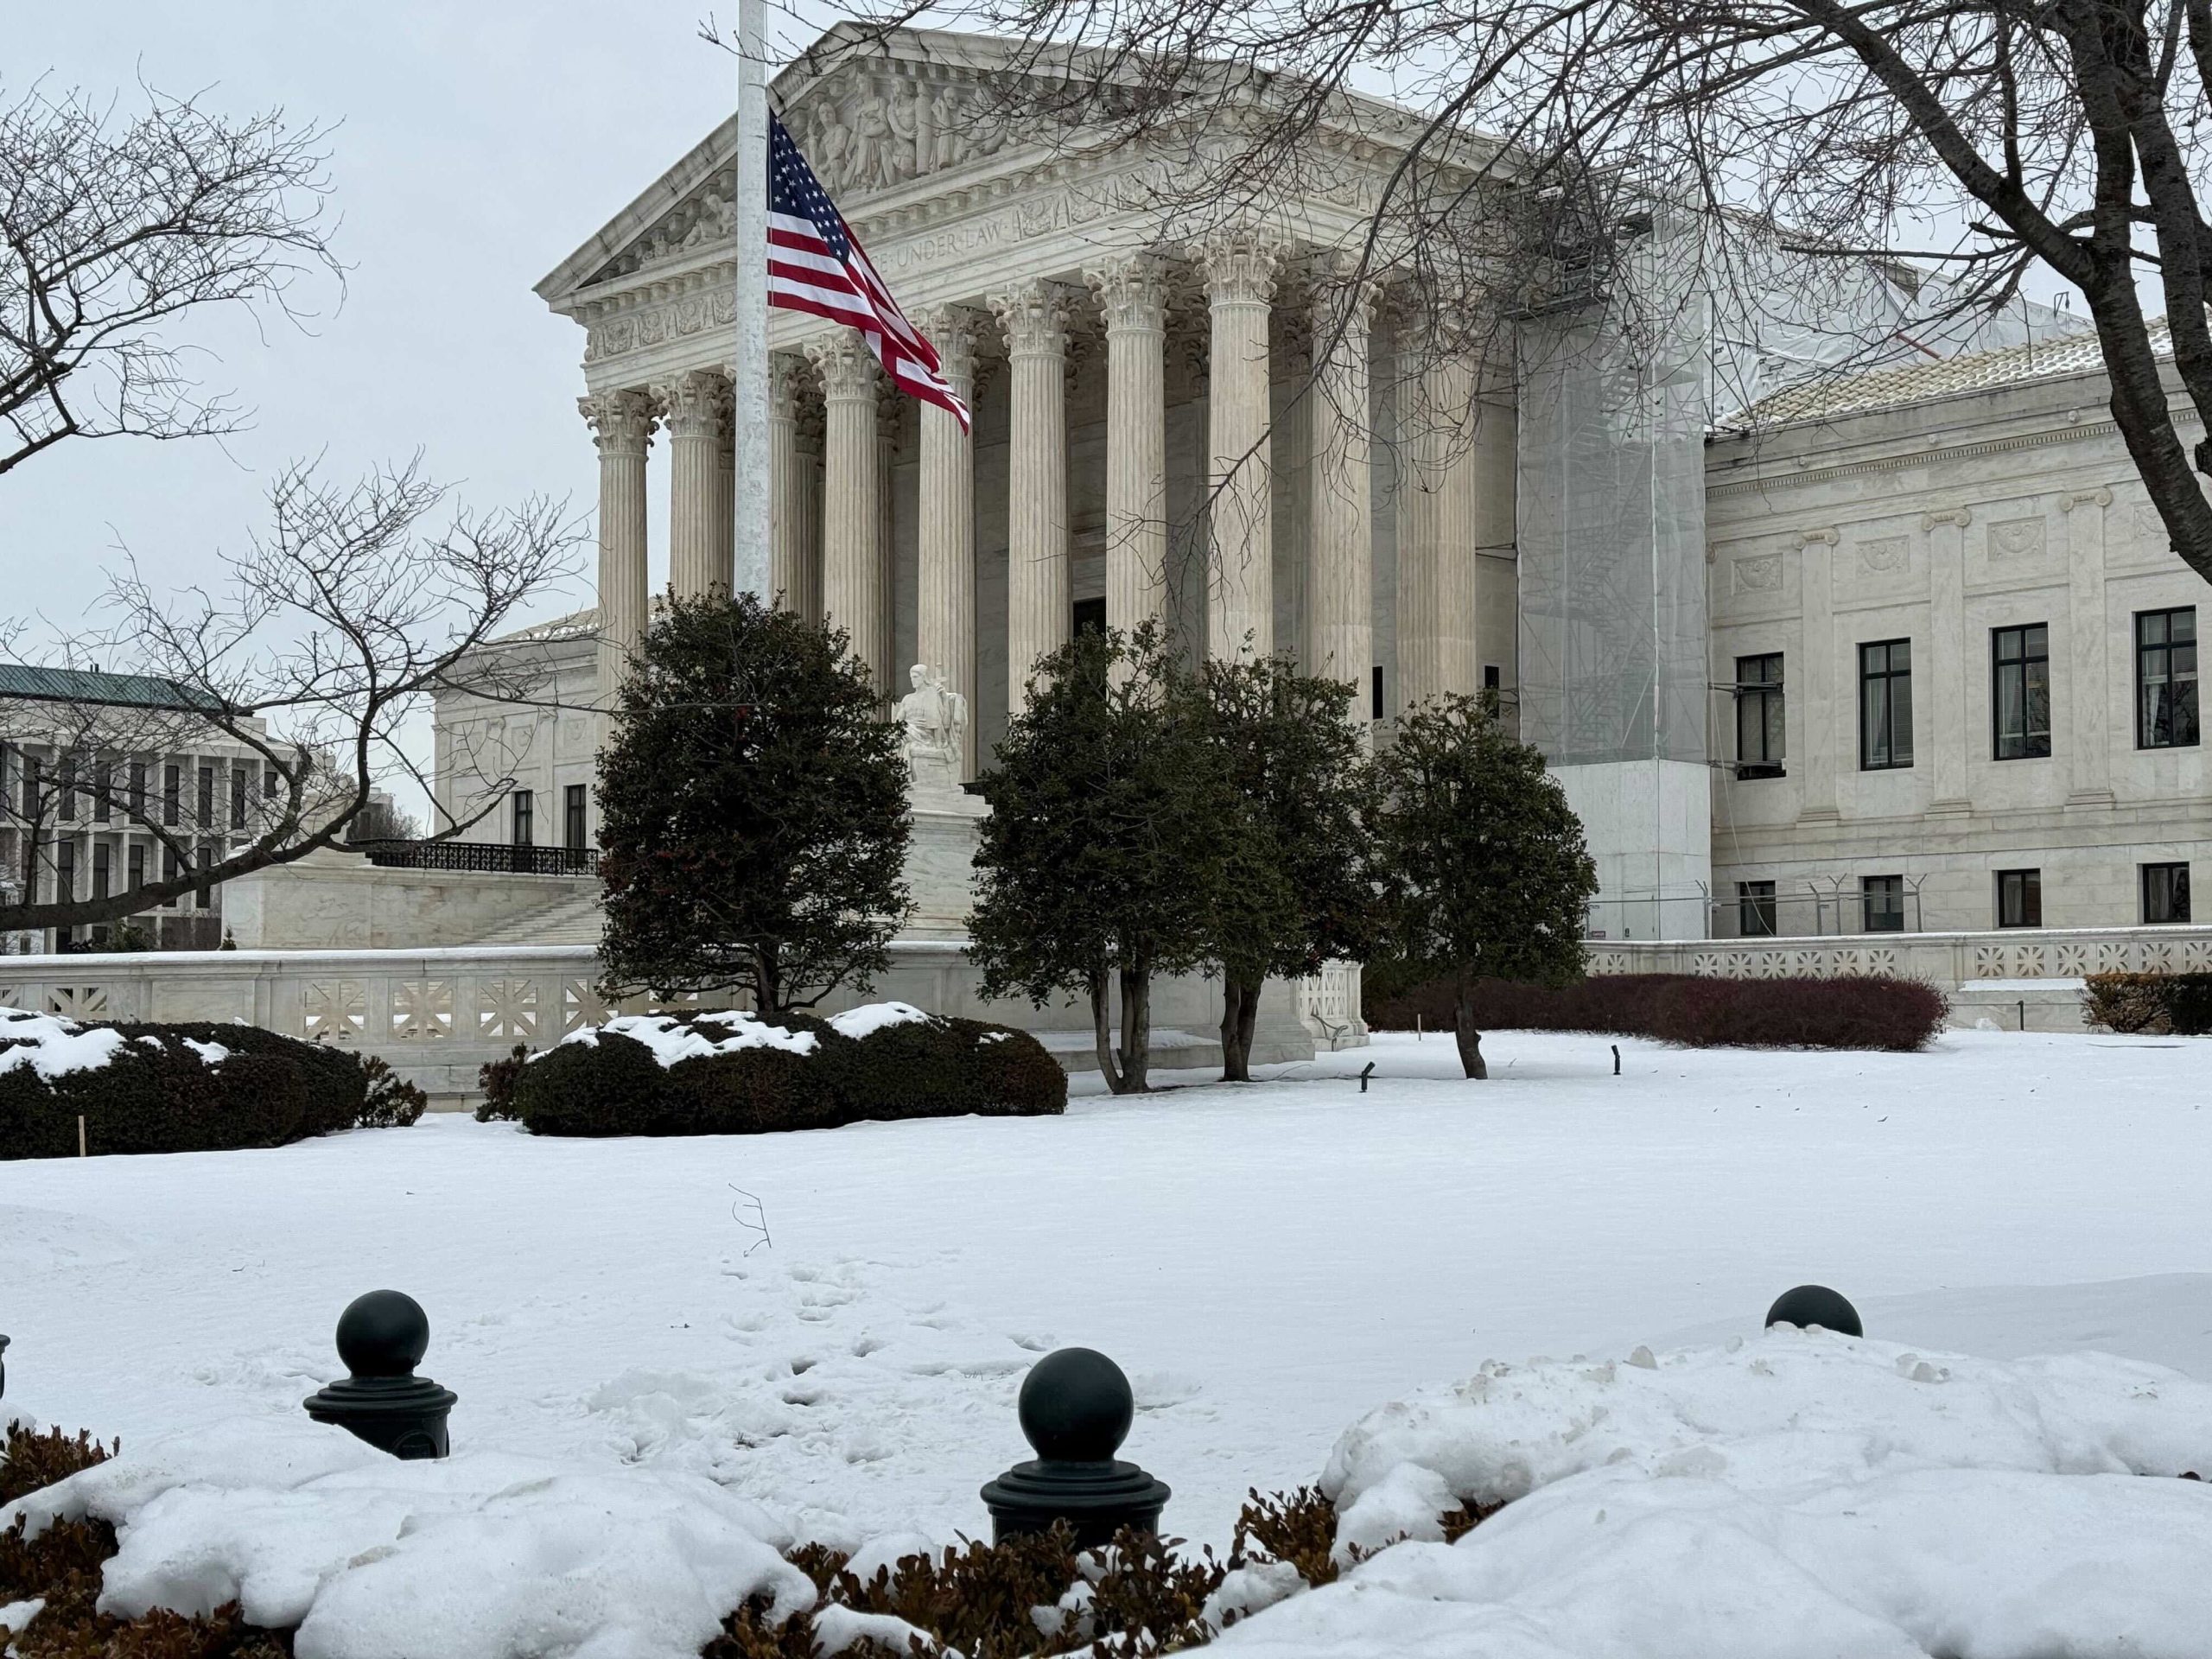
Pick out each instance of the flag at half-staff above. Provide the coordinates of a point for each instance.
(816, 264)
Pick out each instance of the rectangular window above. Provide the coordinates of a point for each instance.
(103, 868)
(238, 797)
(2166, 678)
(1375, 710)
(2020, 698)
(1884, 898)
(2019, 897)
(172, 793)
(1755, 909)
(169, 868)
(103, 790)
(68, 789)
(2165, 893)
(1884, 705)
(34, 786)
(268, 783)
(204, 896)
(207, 798)
(137, 865)
(65, 871)
(572, 815)
(139, 789)
(1493, 679)
(1759, 716)
(523, 809)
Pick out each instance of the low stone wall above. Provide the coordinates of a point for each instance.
(437, 1015)
(337, 900)
(2015, 979)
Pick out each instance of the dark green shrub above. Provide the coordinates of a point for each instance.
(156, 1093)
(1857, 1012)
(615, 1084)
(497, 1078)
(2155, 1004)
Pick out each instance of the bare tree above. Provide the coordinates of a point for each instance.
(334, 630)
(1987, 139)
(112, 229)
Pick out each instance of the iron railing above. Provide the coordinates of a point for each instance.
(497, 858)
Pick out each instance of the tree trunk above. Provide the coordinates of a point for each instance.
(1236, 1033)
(1464, 1032)
(1137, 1030)
(1101, 1031)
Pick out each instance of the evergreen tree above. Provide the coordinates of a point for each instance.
(1484, 873)
(752, 811)
(1109, 823)
(1299, 890)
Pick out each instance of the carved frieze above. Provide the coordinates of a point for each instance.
(2016, 538)
(1885, 554)
(1759, 573)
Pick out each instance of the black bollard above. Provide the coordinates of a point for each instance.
(3, 1368)
(1811, 1305)
(382, 1336)
(1076, 1410)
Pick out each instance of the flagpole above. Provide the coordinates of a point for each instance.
(751, 389)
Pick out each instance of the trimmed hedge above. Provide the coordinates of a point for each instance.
(615, 1084)
(2178, 1005)
(1693, 1010)
(156, 1093)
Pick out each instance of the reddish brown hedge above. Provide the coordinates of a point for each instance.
(1868, 1012)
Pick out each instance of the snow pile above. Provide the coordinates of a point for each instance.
(484, 1556)
(53, 1046)
(877, 1016)
(1798, 1494)
(672, 1040)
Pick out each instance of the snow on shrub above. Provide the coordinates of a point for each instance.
(180, 1088)
(2157, 1004)
(1798, 1493)
(735, 1072)
(1694, 1010)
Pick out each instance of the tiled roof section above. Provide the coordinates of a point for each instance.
(1829, 398)
(85, 685)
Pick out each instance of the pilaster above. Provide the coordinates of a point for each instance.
(1947, 641)
(2089, 692)
(1828, 726)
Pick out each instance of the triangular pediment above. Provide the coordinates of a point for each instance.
(877, 118)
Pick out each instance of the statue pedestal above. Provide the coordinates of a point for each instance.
(941, 859)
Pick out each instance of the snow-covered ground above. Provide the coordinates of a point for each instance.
(1268, 1263)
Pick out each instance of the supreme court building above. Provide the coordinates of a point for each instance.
(1706, 597)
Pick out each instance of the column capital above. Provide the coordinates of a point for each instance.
(1241, 266)
(790, 378)
(2073, 498)
(1342, 298)
(1133, 293)
(691, 404)
(955, 331)
(621, 422)
(848, 369)
(1957, 516)
(1035, 318)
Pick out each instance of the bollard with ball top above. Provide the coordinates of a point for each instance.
(382, 1336)
(4, 1367)
(1076, 1410)
(1811, 1305)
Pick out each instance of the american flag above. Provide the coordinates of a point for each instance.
(816, 263)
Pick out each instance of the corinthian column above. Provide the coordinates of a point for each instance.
(1132, 295)
(1436, 536)
(852, 588)
(721, 537)
(1038, 583)
(622, 427)
(1340, 538)
(789, 538)
(944, 617)
(695, 431)
(1240, 612)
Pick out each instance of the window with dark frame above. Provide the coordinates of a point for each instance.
(1884, 705)
(137, 865)
(1760, 721)
(2166, 678)
(172, 793)
(139, 789)
(1375, 710)
(525, 807)
(1089, 614)
(207, 798)
(1883, 897)
(170, 866)
(573, 827)
(205, 895)
(238, 797)
(2019, 696)
(103, 868)
(2019, 897)
(1755, 909)
(103, 790)
(2165, 893)
(68, 788)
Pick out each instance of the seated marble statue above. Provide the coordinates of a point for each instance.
(936, 718)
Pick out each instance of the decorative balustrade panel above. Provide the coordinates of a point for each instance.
(497, 858)
(1954, 961)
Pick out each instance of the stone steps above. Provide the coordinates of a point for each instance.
(573, 920)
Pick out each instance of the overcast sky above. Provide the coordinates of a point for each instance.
(478, 142)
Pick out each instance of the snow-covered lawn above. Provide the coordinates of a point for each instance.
(1268, 1263)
